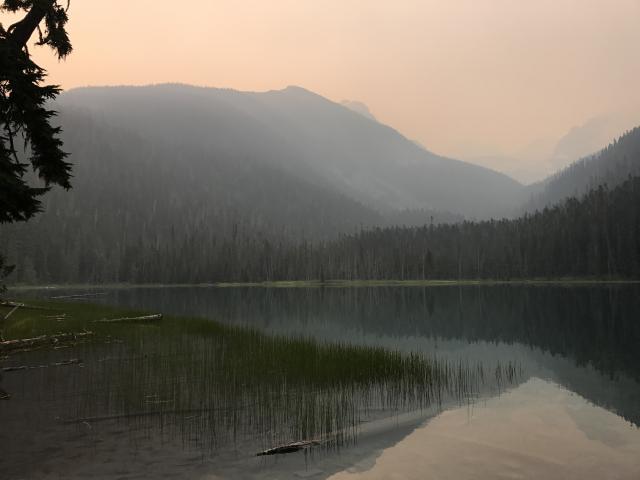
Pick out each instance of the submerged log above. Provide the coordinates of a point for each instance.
(289, 448)
(43, 340)
(144, 318)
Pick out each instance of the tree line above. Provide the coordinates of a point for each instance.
(595, 236)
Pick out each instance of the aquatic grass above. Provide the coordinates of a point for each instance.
(213, 385)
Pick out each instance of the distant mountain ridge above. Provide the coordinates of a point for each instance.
(308, 135)
(592, 136)
(611, 166)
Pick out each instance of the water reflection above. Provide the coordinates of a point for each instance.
(560, 436)
(585, 338)
(580, 339)
(593, 325)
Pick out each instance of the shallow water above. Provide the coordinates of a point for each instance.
(573, 412)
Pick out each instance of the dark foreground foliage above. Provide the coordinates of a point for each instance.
(25, 120)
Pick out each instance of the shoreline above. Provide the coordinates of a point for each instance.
(336, 284)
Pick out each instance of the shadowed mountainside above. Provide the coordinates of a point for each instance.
(307, 135)
(611, 166)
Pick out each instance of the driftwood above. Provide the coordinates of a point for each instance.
(41, 341)
(144, 318)
(6, 317)
(289, 448)
(22, 305)
(73, 361)
(7, 303)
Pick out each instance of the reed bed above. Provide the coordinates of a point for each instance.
(212, 385)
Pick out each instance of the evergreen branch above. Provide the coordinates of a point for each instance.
(19, 33)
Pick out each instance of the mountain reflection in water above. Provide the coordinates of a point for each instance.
(574, 415)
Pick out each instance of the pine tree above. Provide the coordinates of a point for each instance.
(24, 117)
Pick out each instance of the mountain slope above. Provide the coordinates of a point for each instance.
(611, 166)
(308, 135)
(588, 138)
(132, 197)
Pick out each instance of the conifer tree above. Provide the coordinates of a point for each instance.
(24, 116)
(27, 137)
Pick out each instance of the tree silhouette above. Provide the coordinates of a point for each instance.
(25, 120)
(23, 109)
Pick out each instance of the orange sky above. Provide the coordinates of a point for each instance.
(463, 77)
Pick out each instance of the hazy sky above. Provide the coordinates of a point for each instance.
(463, 77)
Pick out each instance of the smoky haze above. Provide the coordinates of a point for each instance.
(495, 82)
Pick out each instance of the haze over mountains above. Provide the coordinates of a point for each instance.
(172, 175)
(307, 136)
(546, 156)
(611, 166)
(236, 144)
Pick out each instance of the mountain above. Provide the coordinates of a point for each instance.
(546, 156)
(185, 184)
(591, 137)
(305, 135)
(174, 175)
(611, 166)
(360, 108)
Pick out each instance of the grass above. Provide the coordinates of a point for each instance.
(211, 384)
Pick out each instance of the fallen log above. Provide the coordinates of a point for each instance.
(10, 304)
(144, 318)
(7, 303)
(8, 346)
(289, 448)
(6, 317)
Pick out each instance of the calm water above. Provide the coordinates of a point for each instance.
(572, 412)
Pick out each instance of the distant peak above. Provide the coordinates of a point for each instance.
(295, 89)
(359, 107)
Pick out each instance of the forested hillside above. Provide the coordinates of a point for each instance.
(305, 135)
(132, 196)
(610, 166)
(597, 236)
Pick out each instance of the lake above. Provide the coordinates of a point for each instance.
(532, 382)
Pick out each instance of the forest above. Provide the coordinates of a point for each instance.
(595, 236)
